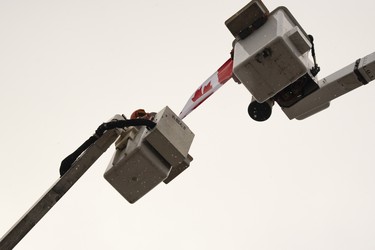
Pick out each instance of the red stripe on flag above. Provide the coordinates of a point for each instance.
(225, 72)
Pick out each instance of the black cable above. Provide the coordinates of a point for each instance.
(70, 159)
(315, 70)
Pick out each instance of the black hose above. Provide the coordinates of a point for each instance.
(70, 159)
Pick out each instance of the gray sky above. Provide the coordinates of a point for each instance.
(67, 66)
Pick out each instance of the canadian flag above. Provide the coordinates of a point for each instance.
(213, 83)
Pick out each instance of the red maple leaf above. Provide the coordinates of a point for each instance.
(199, 93)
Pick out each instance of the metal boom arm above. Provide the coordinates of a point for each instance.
(57, 190)
(335, 85)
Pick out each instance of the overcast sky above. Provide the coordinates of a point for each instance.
(67, 66)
